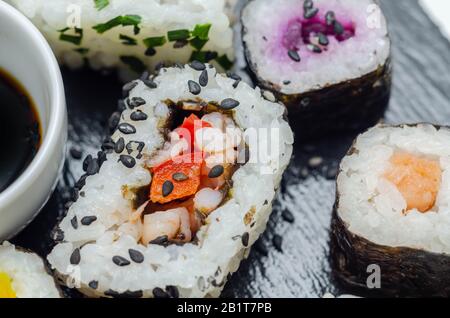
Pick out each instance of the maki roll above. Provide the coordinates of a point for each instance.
(392, 211)
(133, 35)
(181, 191)
(327, 60)
(23, 275)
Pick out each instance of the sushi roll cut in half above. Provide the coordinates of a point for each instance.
(327, 60)
(180, 192)
(23, 275)
(392, 213)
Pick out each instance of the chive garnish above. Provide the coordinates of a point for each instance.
(198, 43)
(201, 31)
(177, 35)
(224, 61)
(155, 41)
(101, 4)
(74, 39)
(82, 50)
(127, 40)
(125, 20)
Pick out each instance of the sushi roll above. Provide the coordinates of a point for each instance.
(133, 35)
(392, 212)
(327, 60)
(23, 275)
(179, 193)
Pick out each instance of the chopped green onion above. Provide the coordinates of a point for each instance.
(225, 62)
(177, 35)
(101, 4)
(201, 31)
(74, 39)
(127, 40)
(134, 63)
(203, 56)
(125, 20)
(198, 43)
(155, 41)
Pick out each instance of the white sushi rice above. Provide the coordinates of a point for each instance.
(265, 22)
(105, 50)
(197, 270)
(372, 207)
(27, 273)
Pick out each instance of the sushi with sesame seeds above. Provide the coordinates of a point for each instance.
(182, 191)
(327, 60)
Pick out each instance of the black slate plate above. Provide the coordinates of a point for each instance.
(301, 267)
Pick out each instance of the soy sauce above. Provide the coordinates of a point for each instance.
(20, 132)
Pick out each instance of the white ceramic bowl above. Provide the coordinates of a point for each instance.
(26, 55)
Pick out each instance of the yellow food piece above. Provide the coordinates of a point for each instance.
(6, 289)
(417, 179)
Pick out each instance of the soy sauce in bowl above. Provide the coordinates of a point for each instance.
(20, 130)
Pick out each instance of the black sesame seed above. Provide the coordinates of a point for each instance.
(121, 106)
(144, 76)
(82, 194)
(92, 168)
(86, 162)
(288, 216)
(150, 51)
(120, 145)
(203, 79)
(74, 222)
(76, 153)
(308, 4)
(286, 82)
(162, 240)
(330, 18)
(216, 172)
(127, 161)
(140, 146)
(194, 87)
(245, 238)
(136, 256)
(167, 188)
(93, 284)
(229, 103)
(138, 116)
(294, 56)
(114, 121)
(108, 144)
(127, 129)
(234, 76)
(310, 13)
(160, 293)
(179, 176)
(198, 66)
(338, 28)
(88, 220)
(278, 242)
(127, 88)
(132, 294)
(120, 261)
(150, 84)
(172, 291)
(323, 39)
(136, 102)
(314, 48)
(75, 258)
(111, 293)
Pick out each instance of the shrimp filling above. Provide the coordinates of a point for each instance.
(6, 289)
(417, 179)
(191, 176)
